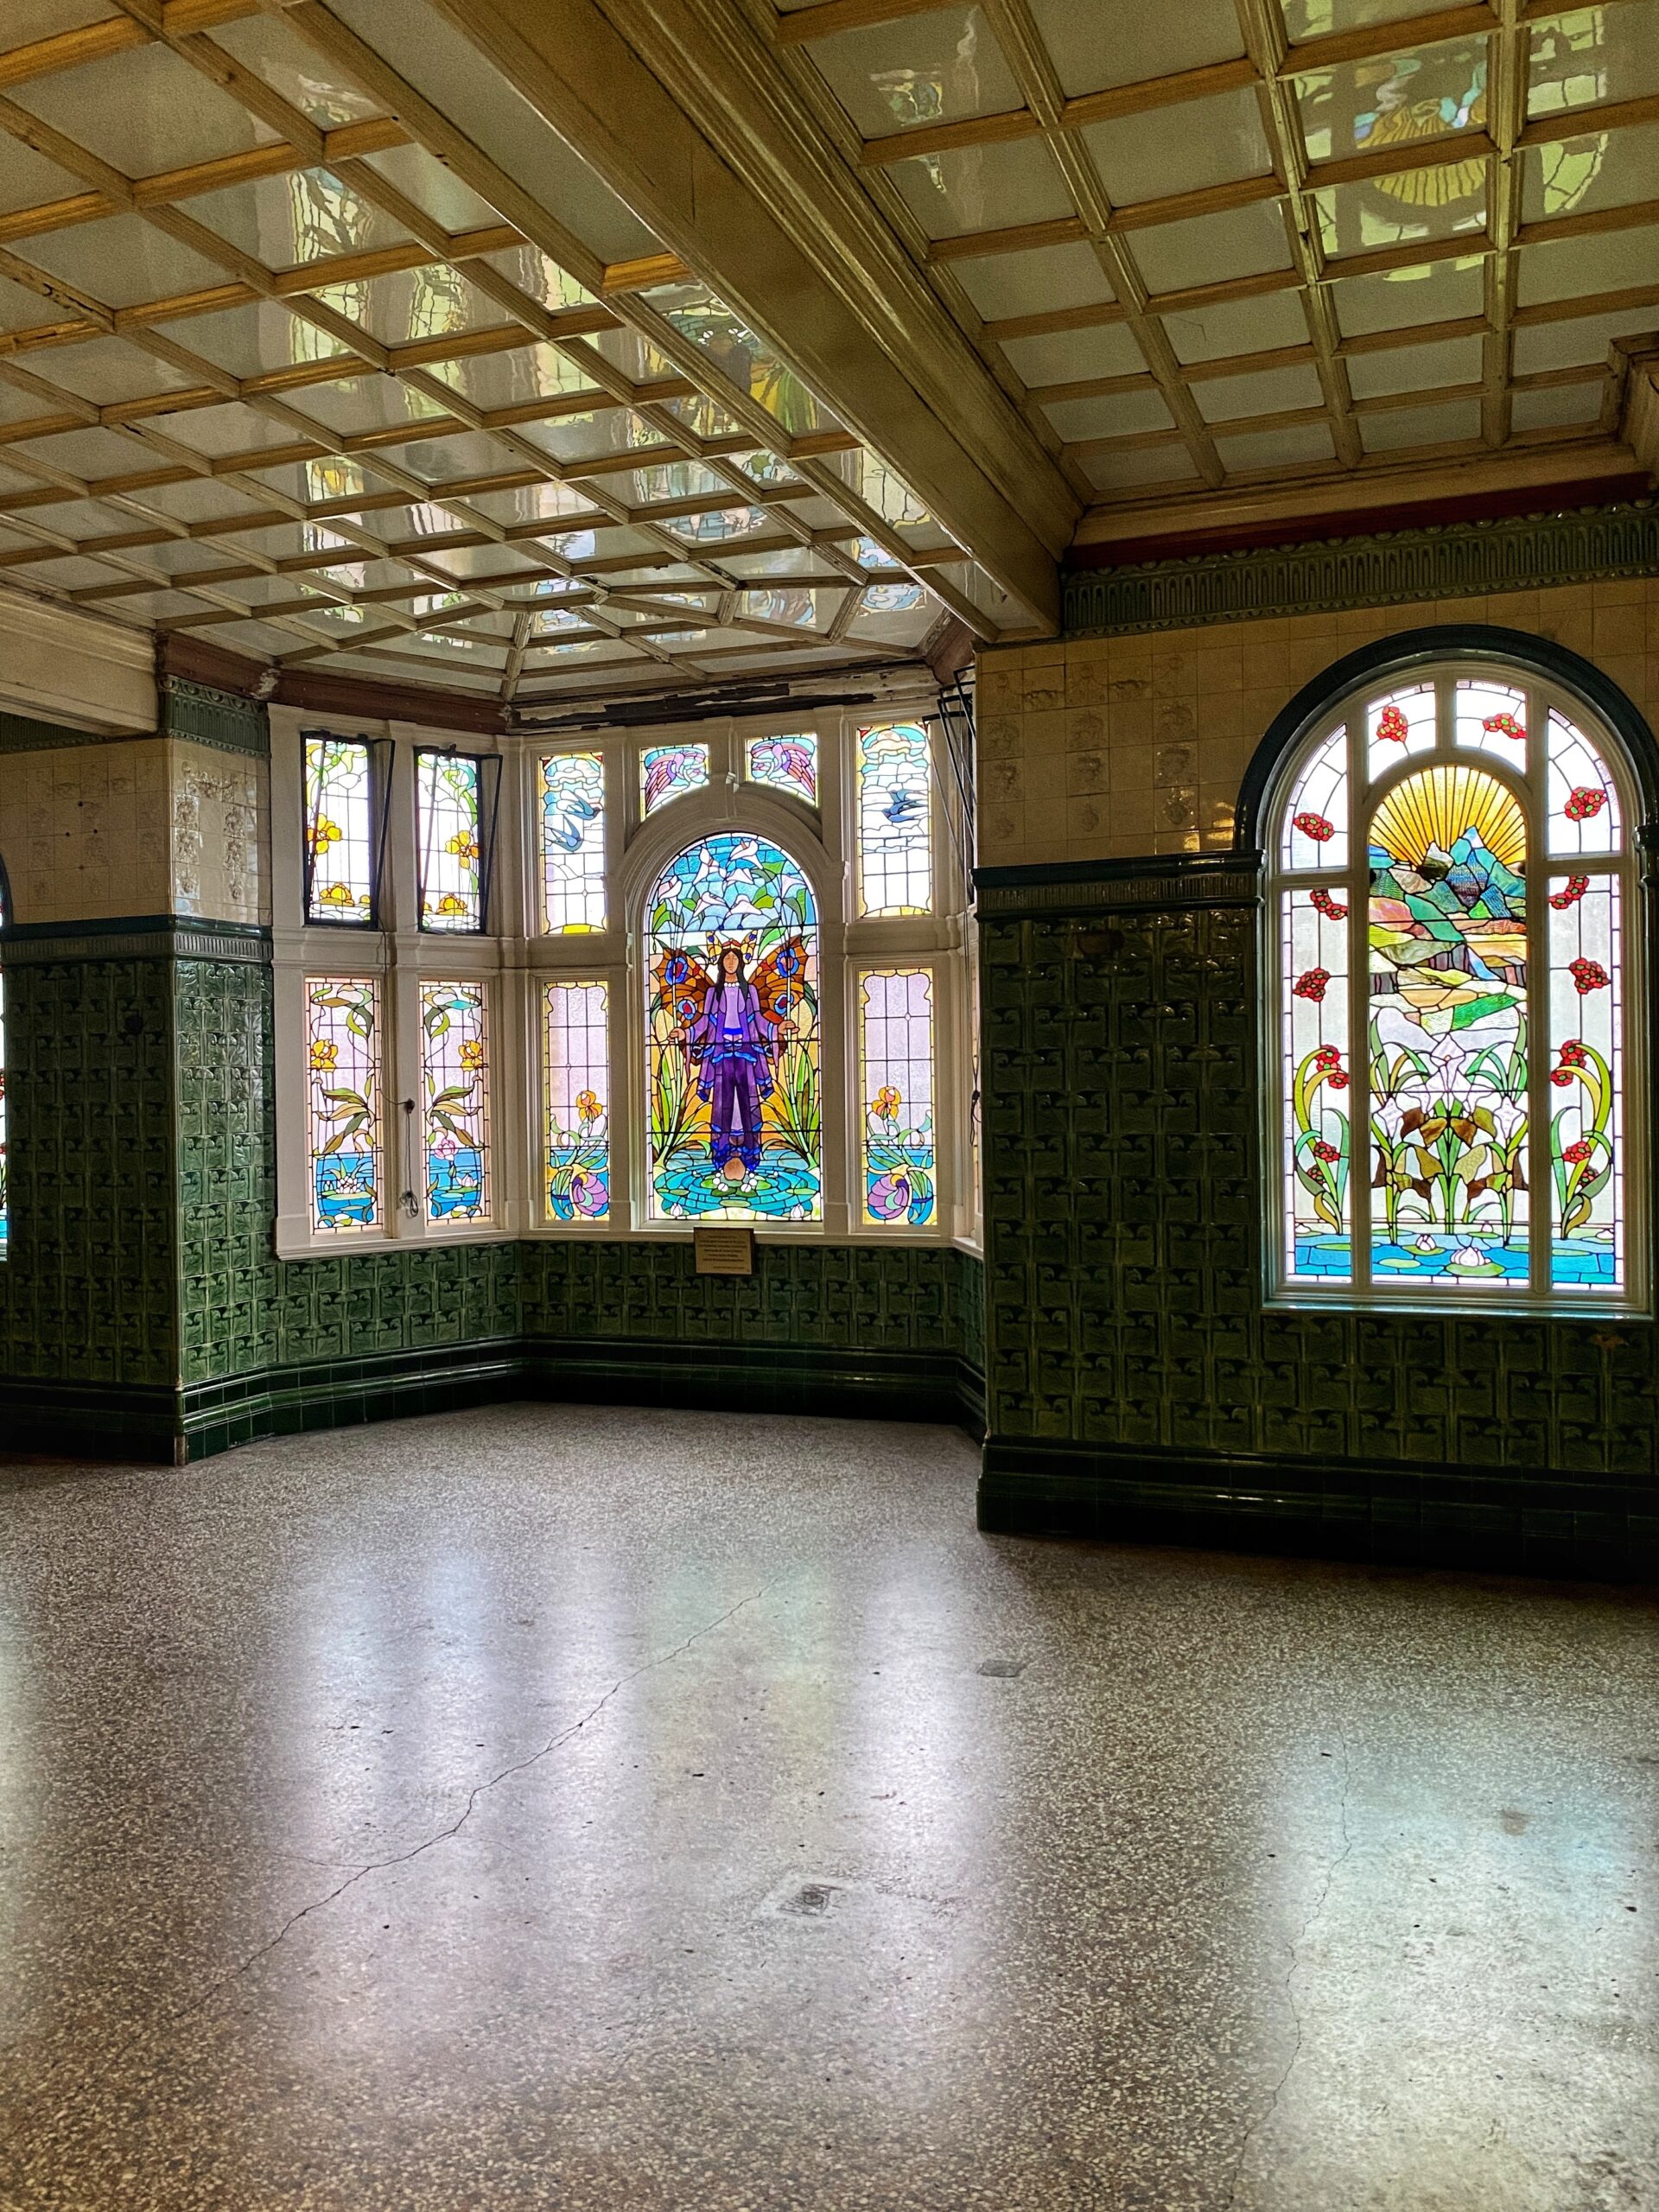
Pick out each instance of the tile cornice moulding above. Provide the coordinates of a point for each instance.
(60, 667)
(1462, 559)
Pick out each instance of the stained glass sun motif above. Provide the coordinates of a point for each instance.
(1450, 1031)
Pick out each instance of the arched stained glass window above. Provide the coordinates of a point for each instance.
(1451, 913)
(732, 1035)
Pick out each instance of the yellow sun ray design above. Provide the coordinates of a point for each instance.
(1436, 807)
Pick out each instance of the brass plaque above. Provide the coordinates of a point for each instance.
(724, 1251)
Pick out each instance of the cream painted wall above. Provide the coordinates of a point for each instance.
(1106, 748)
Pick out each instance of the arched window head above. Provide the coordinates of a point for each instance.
(1454, 945)
(732, 1034)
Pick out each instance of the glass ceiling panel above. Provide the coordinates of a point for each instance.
(29, 180)
(435, 190)
(926, 70)
(1320, 18)
(144, 110)
(1593, 55)
(1611, 169)
(1406, 205)
(741, 355)
(983, 187)
(304, 76)
(1388, 101)
(1126, 43)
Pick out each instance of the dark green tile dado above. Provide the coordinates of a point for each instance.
(1128, 1338)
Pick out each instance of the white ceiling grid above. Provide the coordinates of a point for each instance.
(1234, 242)
(285, 363)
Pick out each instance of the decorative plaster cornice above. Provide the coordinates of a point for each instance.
(1520, 553)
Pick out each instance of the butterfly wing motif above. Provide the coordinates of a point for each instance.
(682, 985)
(780, 980)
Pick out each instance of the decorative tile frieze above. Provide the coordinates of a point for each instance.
(150, 937)
(223, 719)
(1516, 553)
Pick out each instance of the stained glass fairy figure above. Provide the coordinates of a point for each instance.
(730, 1024)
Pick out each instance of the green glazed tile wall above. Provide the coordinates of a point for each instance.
(244, 1311)
(89, 1290)
(1123, 1230)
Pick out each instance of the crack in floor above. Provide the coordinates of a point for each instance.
(1267, 2110)
(479, 1790)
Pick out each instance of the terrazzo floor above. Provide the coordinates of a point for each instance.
(622, 1811)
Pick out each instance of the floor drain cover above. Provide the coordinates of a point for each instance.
(1005, 1668)
(812, 1899)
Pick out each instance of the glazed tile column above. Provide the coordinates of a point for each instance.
(131, 860)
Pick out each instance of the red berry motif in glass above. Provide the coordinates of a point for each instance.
(1585, 804)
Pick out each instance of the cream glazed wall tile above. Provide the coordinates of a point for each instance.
(1150, 755)
(84, 831)
(219, 833)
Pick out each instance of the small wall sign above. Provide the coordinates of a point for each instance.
(724, 1251)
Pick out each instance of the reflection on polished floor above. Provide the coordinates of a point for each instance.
(609, 1808)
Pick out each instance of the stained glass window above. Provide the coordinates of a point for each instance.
(788, 764)
(895, 1041)
(456, 1077)
(346, 1132)
(576, 1101)
(449, 840)
(732, 1035)
(573, 843)
(339, 829)
(1449, 1044)
(896, 834)
(665, 770)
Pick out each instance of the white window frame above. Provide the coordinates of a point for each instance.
(516, 957)
(1352, 881)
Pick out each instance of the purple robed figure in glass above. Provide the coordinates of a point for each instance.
(733, 1037)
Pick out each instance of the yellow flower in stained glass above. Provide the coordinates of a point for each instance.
(338, 894)
(450, 904)
(325, 834)
(472, 1053)
(324, 1053)
(464, 846)
(587, 1108)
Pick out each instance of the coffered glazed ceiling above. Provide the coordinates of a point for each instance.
(1226, 245)
(289, 363)
(542, 350)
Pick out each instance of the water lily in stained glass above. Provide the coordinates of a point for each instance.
(345, 1135)
(1448, 1039)
(577, 1094)
(456, 1081)
(896, 1086)
(1438, 985)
